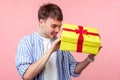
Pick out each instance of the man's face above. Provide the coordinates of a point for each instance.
(51, 27)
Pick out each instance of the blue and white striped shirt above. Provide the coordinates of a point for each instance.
(30, 49)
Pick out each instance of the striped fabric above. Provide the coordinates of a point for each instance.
(30, 49)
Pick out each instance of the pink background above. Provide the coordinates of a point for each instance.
(19, 18)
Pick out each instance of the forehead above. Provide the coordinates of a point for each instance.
(53, 21)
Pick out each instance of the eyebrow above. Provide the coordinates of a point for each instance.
(56, 25)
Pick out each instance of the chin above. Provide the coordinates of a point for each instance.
(53, 37)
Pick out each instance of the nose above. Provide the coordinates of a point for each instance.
(57, 29)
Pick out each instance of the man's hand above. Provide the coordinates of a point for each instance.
(55, 46)
(92, 56)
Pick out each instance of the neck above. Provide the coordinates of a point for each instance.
(40, 31)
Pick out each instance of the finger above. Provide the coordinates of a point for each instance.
(100, 48)
(57, 40)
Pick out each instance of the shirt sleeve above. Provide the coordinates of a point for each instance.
(73, 64)
(23, 58)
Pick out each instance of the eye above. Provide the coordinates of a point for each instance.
(54, 26)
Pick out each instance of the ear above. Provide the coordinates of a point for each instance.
(41, 21)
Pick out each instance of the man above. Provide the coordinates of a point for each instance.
(38, 55)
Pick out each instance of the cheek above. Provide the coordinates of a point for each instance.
(48, 31)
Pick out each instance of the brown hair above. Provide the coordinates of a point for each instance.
(50, 10)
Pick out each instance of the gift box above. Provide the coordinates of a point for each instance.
(83, 39)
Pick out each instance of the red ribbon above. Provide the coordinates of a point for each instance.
(80, 31)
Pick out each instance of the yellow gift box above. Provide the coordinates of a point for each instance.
(83, 39)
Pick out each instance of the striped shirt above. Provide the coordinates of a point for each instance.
(31, 48)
